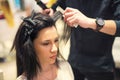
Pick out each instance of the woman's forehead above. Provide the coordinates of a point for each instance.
(48, 33)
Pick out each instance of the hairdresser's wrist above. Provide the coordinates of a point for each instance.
(91, 23)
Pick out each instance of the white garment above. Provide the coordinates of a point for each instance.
(64, 72)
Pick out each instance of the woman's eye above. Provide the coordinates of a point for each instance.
(45, 43)
(56, 40)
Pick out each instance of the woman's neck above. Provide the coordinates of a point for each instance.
(48, 72)
(47, 67)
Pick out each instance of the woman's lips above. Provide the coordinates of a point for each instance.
(53, 57)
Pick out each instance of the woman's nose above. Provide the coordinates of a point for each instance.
(54, 48)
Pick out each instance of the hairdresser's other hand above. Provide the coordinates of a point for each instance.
(73, 16)
(48, 11)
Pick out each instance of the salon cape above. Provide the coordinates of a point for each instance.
(64, 72)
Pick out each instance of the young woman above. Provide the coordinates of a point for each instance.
(37, 54)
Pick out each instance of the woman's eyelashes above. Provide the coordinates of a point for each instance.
(56, 40)
(48, 42)
(45, 43)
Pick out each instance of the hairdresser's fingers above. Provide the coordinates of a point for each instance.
(48, 11)
(67, 15)
(68, 9)
(51, 12)
(71, 20)
(69, 12)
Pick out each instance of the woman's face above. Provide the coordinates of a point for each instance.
(46, 45)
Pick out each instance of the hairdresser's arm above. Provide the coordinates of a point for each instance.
(74, 16)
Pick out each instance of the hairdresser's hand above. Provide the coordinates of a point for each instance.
(74, 16)
(48, 11)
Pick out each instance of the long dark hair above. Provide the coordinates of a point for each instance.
(26, 59)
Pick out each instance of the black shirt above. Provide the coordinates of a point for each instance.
(92, 51)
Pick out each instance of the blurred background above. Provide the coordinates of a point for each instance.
(11, 12)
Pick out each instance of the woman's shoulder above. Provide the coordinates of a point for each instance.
(65, 71)
(21, 77)
(64, 63)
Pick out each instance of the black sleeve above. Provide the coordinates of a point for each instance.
(116, 6)
(60, 3)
